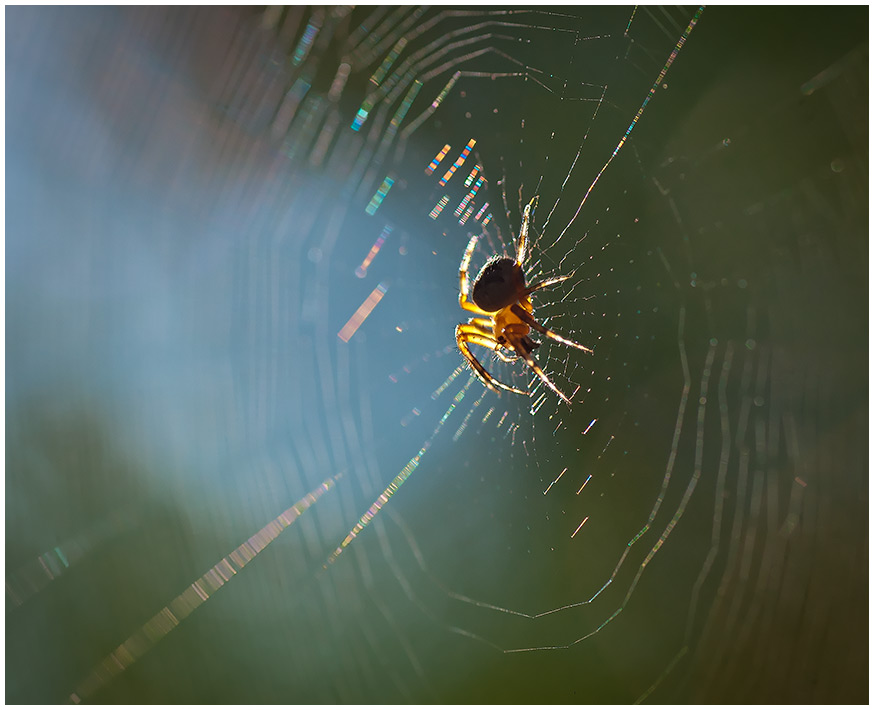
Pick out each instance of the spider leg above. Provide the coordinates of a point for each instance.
(528, 319)
(516, 342)
(505, 358)
(548, 282)
(522, 246)
(486, 325)
(470, 333)
(463, 284)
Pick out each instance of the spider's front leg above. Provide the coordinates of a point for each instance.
(547, 283)
(522, 246)
(463, 281)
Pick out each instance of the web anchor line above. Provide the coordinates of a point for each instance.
(634, 121)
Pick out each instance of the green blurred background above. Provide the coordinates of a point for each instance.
(185, 214)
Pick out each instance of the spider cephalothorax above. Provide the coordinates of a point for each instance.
(502, 301)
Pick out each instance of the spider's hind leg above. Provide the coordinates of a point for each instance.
(516, 342)
(528, 319)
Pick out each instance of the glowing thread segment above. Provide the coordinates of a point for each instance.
(398, 481)
(196, 594)
(640, 111)
(630, 20)
(580, 526)
(361, 271)
(458, 163)
(437, 159)
(303, 47)
(36, 574)
(390, 58)
(469, 178)
(457, 435)
(438, 208)
(588, 478)
(421, 118)
(364, 310)
(468, 197)
(362, 115)
(379, 195)
(554, 482)
(448, 381)
(398, 118)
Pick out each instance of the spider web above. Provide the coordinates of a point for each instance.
(257, 355)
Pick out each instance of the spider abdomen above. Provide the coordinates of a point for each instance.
(499, 283)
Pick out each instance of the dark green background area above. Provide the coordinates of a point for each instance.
(175, 284)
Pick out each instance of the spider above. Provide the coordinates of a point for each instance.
(501, 301)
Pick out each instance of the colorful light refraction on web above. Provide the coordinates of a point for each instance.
(469, 178)
(637, 116)
(360, 315)
(438, 208)
(361, 271)
(463, 219)
(379, 195)
(398, 480)
(306, 42)
(469, 196)
(168, 618)
(458, 163)
(414, 125)
(390, 59)
(437, 159)
(466, 207)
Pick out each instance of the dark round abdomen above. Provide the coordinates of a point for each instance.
(499, 283)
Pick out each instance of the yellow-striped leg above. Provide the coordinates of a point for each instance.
(515, 342)
(528, 319)
(471, 333)
(463, 300)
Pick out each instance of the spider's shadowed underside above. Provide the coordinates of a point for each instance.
(501, 300)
